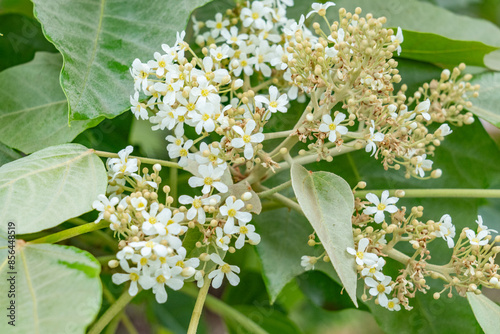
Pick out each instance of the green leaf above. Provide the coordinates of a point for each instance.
(270, 319)
(50, 186)
(448, 52)
(7, 154)
(24, 7)
(57, 289)
(99, 40)
(22, 38)
(328, 204)
(487, 104)
(35, 116)
(486, 311)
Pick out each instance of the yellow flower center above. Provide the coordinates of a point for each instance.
(234, 39)
(475, 240)
(243, 230)
(360, 255)
(170, 88)
(273, 104)
(219, 55)
(180, 263)
(244, 63)
(204, 92)
(225, 268)
(161, 63)
(140, 205)
(332, 126)
(152, 220)
(183, 152)
(161, 279)
(260, 58)
(380, 288)
(170, 222)
(171, 115)
(150, 244)
(218, 25)
(208, 181)
(178, 142)
(190, 106)
(134, 277)
(246, 138)
(197, 203)
(143, 261)
(381, 207)
(390, 304)
(181, 76)
(372, 270)
(231, 212)
(255, 15)
(163, 260)
(181, 118)
(205, 117)
(212, 157)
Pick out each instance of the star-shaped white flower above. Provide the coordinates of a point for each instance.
(374, 137)
(446, 230)
(479, 239)
(132, 274)
(363, 257)
(380, 289)
(422, 165)
(224, 269)
(247, 139)
(332, 127)
(197, 203)
(245, 231)
(399, 38)
(308, 262)
(385, 203)
(210, 177)
(479, 222)
(231, 211)
(320, 8)
(423, 108)
(275, 103)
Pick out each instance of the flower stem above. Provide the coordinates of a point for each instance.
(279, 134)
(280, 198)
(458, 193)
(70, 233)
(143, 160)
(111, 312)
(269, 192)
(219, 307)
(124, 318)
(198, 307)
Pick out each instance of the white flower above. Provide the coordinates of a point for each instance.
(149, 247)
(218, 25)
(126, 253)
(374, 270)
(138, 108)
(133, 275)
(422, 165)
(384, 204)
(232, 36)
(209, 70)
(263, 54)
(163, 276)
(423, 108)
(210, 177)
(209, 155)
(180, 261)
(221, 240)
(160, 63)
(103, 204)
(247, 139)
(374, 137)
(308, 262)
(199, 278)
(254, 16)
(139, 203)
(274, 102)
(332, 127)
(140, 73)
(393, 304)
(479, 222)
(197, 203)
(222, 52)
(446, 230)
(362, 257)
(205, 119)
(245, 64)
(181, 151)
(380, 289)
(444, 130)
(245, 231)
(399, 38)
(224, 269)
(320, 8)
(479, 239)
(123, 165)
(205, 91)
(230, 210)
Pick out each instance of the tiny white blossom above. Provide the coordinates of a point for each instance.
(446, 230)
(422, 165)
(231, 211)
(255, 15)
(362, 257)
(479, 222)
(133, 275)
(197, 204)
(320, 8)
(182, 152)
(479, 239)
(162, 277)
(393, 304)
(374, 137)
(380, 289)
(210, 177)
(332, 127)
(221, 240)
(374, 270)
(423, 108)
(385, 203)
(308, 262)
(275, 103)
(247, 139)
(102, 204)
(444, 130)
(399, 38)
(123, 165)
(218, 25)
(245, 231)
(139, 203)
(138, 108)
(232, 36)
(223, 270)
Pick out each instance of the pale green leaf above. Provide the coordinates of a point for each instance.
(487, 104)
(50, 186)
(99, 40)
(486, 311)
(57, 289)
(35, 116)
(328, 203)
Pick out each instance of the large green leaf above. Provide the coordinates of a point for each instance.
(328, 204)
(57, 289)
(22, 38)
(35, 116)
(487, 104)
(486, 311)
(100, 39)
(24, 7)
(50, 186)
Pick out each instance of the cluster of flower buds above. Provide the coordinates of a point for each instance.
(472, 264)
(151, 247)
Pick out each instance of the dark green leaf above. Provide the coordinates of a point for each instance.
(7, 154)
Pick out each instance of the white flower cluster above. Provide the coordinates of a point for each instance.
(152, 254)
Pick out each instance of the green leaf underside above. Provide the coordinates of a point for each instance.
(50, 186)
(486, 311)
(53, 282)
(328, 204)
(487, 104)
(100, 39)
(38, 119)
(7, 154)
